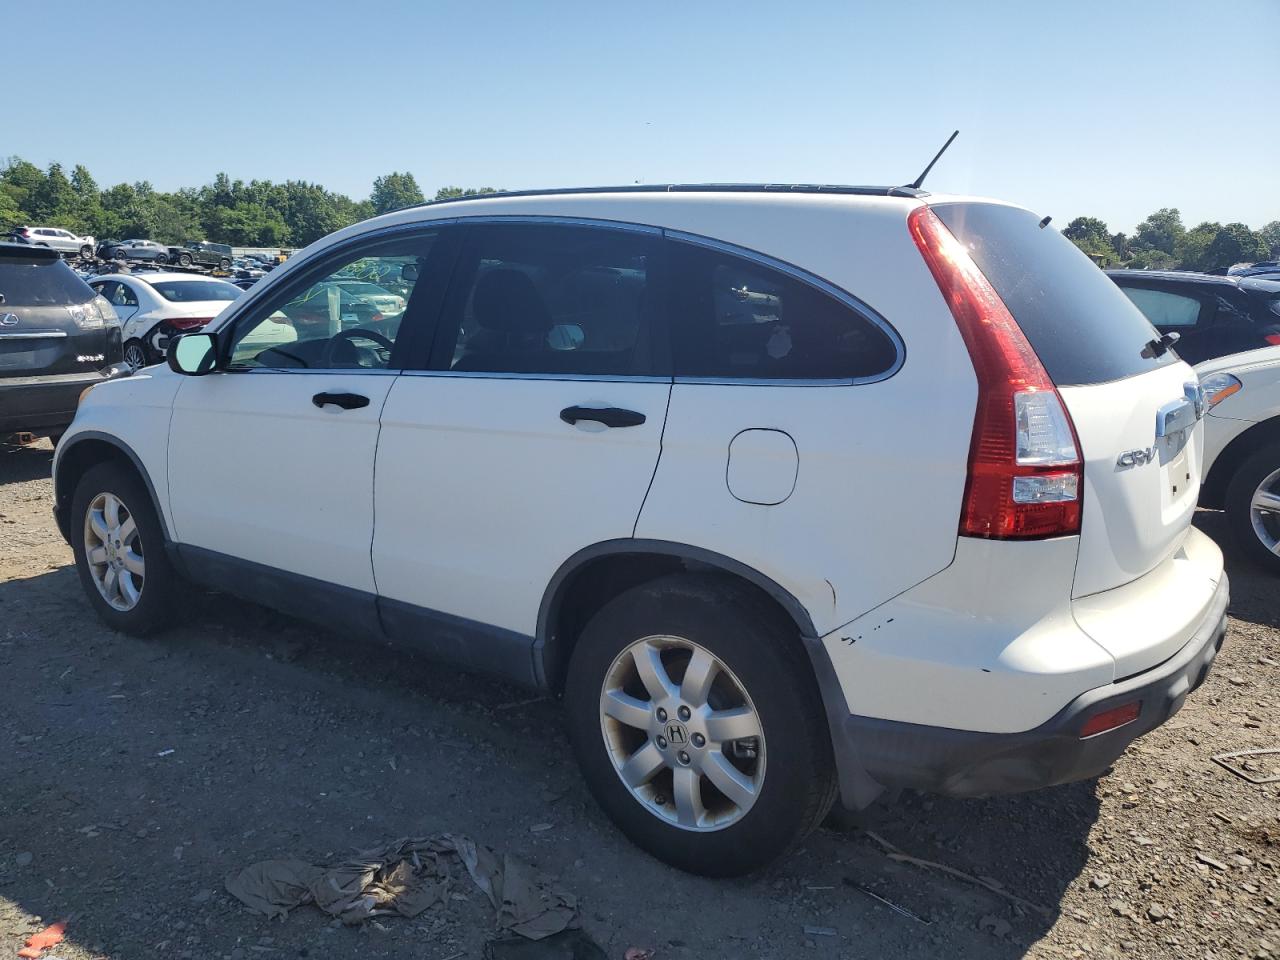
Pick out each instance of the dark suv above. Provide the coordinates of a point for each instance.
(204, 253)
(56, 338)
(1213, 316)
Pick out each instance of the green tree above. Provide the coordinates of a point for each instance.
(395, 191)
(452, 193)
(1092, 236)
(1270, 235)
(1234, 243)
(1192, 248)
(1160, 231)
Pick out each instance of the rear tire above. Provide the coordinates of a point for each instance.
(86, 252)
(136, 354)
(1256, 528)
(756, 659)
(148, 604)
(162, 259)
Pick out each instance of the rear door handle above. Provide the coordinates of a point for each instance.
(347, 401)
(609, 416)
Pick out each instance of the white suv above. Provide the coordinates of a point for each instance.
(788, 492)
(56, 238)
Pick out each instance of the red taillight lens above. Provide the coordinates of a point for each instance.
(1026, 474)
(1273, 339)
(1111, 719)
(189, 323)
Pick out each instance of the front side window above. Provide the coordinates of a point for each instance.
(1164, 309)
(735, 318)
(553, 300)
(334, 320)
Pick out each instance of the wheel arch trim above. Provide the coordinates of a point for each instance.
(62, 496)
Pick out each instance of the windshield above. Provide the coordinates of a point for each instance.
(192, 291)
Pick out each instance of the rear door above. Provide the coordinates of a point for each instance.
(1135, 410)
(534, 433)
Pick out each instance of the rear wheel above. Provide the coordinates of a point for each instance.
(136, 354)
(119, 549)
(86, 252)
(698, 726)
(162, 258)
(1253, 507)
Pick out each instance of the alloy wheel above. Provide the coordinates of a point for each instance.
(1264, 512)
(113, 550)
(682, 733)
(135, 356)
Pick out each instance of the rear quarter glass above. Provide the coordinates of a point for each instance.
(41, 283)
(1079, 322)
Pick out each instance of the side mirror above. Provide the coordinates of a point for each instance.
(193, 354)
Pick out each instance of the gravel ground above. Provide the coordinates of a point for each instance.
(134, 774)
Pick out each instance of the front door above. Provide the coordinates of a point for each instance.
(271, 459)
(534, 434)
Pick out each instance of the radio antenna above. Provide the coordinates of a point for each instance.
(915, 184)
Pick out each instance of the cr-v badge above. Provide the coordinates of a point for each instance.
(1135, 458)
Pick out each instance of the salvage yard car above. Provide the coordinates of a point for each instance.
(205, 254)
(55, 238)
(141, 250)
(1242, 449)
(57, 337)
(155, 307)
(789, 492)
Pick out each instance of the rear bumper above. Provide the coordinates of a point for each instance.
(44, 405)
(966, 763)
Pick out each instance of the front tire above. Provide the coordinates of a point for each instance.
(118, 544)
(1253, 507)
(184, 259)
(224, 264)
(86, 252)
(698, 726)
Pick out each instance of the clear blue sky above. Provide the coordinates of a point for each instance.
(1074, 107)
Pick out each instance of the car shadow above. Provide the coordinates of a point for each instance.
(22, 463)
(1253, 590)
(150, 768)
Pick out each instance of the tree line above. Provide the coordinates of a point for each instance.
(1161, 242)
(259, 213)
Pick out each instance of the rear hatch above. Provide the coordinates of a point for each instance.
(51, 323)
(1135, 410)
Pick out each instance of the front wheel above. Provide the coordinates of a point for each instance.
(86, 252)
(162, 259)
(119, 550)
(184, 259)
(698, 726)
(1253, 507)
(224, 264)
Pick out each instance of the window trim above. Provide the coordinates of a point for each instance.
(420, 325)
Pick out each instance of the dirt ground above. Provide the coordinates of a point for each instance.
(135, 774)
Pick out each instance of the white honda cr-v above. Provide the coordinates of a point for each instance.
(787, 491)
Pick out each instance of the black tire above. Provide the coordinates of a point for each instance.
(184, 259)
(748, 636)
(130, 346)
(118, 253)
(1246, 480)
(156, 602)
(224, 264)
(86, 252)
(161, 259)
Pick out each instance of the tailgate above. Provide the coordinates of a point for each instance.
(1142, 443)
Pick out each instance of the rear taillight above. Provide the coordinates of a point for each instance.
(1273, 339)
(189, 323)
(1026, 474)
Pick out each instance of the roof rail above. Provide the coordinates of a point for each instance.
(862, 191)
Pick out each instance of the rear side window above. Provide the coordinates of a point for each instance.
(34, 283)
(543, 299)
(738, 318)
(1164, 309)
(191, 291)
(1080, 324)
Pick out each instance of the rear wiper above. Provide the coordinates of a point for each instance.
(1158, 348)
